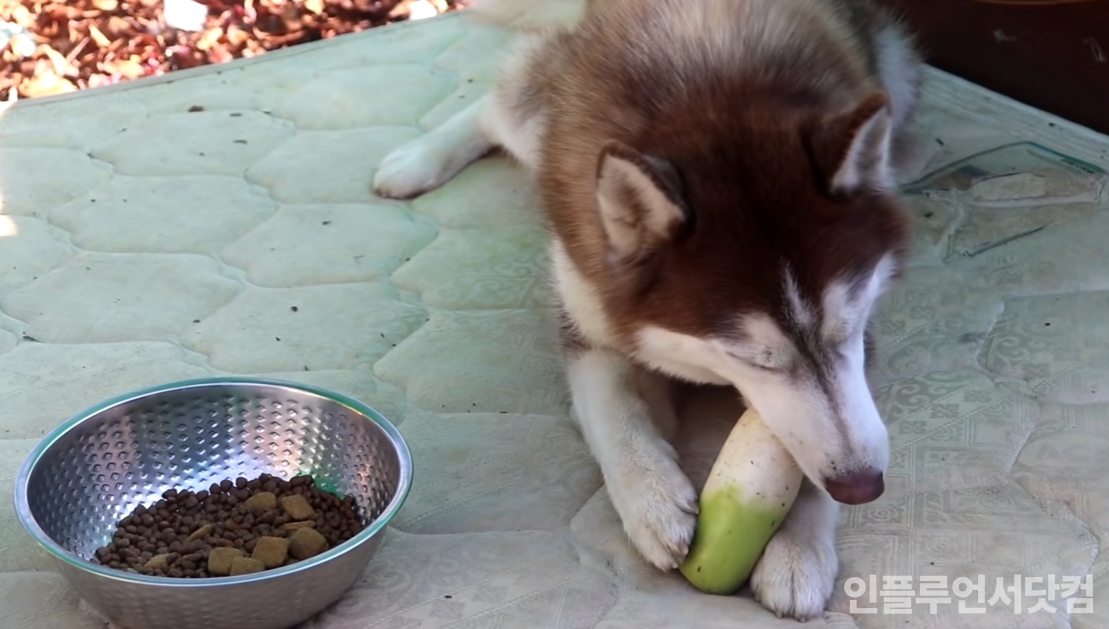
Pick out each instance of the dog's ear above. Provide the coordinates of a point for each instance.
(852, 150)
(639, 200)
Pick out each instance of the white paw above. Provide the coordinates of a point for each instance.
(796, 575)
(410, 170)
(658, 507)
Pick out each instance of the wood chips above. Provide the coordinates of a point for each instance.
(88, 43)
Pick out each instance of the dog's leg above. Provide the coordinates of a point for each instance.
(655, 500)
(511, 116)
(797, 571)
(434, 158)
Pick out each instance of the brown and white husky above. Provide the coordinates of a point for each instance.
(716, 177)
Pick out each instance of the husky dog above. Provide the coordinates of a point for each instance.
(716, 177)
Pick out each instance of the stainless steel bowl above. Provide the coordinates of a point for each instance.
(98, 466)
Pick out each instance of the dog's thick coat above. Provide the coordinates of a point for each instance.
(716, 176)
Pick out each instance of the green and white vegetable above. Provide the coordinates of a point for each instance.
(749, 491)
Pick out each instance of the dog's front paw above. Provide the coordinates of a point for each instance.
(659, 511)
(796, 575)
(410, 170)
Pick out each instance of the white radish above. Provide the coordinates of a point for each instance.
(749, 491)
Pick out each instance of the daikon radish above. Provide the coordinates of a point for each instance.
(752, 486)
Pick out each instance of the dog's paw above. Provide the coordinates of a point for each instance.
(410, 170)
(796, 575)
(659, 512)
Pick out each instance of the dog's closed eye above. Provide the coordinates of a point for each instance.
(764, 360)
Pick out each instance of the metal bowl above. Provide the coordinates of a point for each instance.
(95, 468)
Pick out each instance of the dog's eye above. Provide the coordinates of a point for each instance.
(772, 368)
(763, 361)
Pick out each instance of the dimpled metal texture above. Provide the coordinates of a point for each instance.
(94, 469)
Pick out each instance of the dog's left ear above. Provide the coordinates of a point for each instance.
(852, 150)
(639, 200)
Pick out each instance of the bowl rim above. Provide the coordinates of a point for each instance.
(27, 520)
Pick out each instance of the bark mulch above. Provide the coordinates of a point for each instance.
(52, 47)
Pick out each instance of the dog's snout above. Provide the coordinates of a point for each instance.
(856, 488)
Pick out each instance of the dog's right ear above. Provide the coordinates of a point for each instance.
(853, 150)
(639, 199)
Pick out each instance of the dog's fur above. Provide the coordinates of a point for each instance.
(716, 177)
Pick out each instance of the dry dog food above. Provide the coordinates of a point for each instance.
(234, 527)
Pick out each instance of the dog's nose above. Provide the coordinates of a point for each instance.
(856, 488)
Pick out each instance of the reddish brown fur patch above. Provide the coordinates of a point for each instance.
(752, 217)
(740, 137)
(829, 141)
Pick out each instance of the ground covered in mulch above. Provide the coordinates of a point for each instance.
(54, 46)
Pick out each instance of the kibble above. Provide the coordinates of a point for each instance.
(245, 565)
(157, 561)
(262, 502)
(307, 542)
(219, 560)
(296, 526)
(271, 551)
(237, 526)
(200, 533)
(297, 507)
